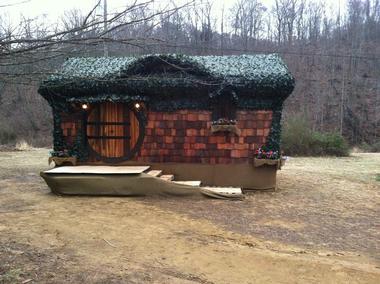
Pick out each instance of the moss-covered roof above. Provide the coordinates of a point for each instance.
(173, 75)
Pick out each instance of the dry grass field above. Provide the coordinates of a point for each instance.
(321, 226)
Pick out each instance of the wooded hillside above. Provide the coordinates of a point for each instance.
(333, 55)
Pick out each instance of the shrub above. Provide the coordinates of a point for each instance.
(364, 147)
(6, 135)
(370, 148)
(334, 145)
(296, 136)
(375, 147)
(299, 139)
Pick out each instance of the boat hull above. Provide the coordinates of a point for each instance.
(115, 185)
(245, 176)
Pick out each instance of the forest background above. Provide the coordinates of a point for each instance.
(334, 55)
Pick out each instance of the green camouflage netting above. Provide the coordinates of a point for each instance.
(255, 75)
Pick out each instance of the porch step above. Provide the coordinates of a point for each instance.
(167, 177)
(155, 173)
(189, 182)
(226, 192)
(211, 191)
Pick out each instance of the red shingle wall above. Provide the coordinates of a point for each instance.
(185, 136)
(70, 126)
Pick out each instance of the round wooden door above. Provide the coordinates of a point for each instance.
(112, 131)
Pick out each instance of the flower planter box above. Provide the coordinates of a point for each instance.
(59, 161)
(269, 162)
(225, 128)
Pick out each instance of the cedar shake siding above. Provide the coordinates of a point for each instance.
(185, 136)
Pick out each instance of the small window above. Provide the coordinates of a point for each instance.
(224, 112)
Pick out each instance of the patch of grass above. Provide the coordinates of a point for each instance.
(11, 276)
(377, 177)
(298, 139)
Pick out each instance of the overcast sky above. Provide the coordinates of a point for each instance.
(53, 9)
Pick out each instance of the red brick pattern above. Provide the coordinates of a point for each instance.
(185, 136)
(70, 127)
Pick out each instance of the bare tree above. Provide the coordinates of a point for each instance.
(335, 58)
(247, 20)
(30, 45)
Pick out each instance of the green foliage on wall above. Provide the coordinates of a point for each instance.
(274, 138)
(80, 149)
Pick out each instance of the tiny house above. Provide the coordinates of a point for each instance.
(207, 118)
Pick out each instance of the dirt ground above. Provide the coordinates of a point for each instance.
(321, 226)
